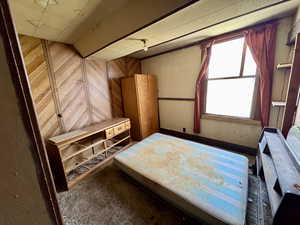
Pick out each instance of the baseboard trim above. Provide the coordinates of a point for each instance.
(211, 142)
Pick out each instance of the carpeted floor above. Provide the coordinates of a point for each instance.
(110, 197)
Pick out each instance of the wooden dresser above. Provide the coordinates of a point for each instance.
(140, 104)
(75, 155)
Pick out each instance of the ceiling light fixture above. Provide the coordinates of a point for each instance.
(145, 46)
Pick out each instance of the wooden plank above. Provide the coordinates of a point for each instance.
(130, 105)
(73, 136)
(293, 89)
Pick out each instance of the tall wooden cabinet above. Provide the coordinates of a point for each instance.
(140, 104)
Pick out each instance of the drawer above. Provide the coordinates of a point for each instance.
(109, 133)
(119, 129)
(127, 125)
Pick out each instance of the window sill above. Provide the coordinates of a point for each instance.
(231, 119)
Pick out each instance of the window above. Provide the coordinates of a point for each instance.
(231, 80)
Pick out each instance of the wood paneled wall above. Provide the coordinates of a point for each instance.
(116, 70)
(96, 71)
(37, 71)
(70, 85)
(71, 92)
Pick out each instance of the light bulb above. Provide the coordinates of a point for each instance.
(145, 44)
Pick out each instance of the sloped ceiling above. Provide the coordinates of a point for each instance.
(106, 28)
(267, 14)
(210, 17)
(87, 23)
(61, 20)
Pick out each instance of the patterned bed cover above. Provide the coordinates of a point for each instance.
(208, 183)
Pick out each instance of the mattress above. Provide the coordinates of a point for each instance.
(208, 183)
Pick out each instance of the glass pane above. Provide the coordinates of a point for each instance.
(226, 59)
(250, 65)
(230, 97)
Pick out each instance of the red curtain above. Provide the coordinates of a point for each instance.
(200, 85)
(261, 43)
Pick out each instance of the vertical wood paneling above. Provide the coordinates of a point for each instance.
(37, 71)
(70, 84)
(98, 90)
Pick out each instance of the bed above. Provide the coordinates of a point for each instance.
(208, 183)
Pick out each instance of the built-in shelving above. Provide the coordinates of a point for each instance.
(75, 155)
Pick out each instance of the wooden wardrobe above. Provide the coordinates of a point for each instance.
(140, 104)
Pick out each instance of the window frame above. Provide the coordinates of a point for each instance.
(254, 114)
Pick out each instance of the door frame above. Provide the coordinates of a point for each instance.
(29, 116)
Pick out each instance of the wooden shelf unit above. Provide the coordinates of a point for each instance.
(77, 154)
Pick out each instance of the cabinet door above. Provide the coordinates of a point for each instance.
(130, 105)
(147, 104)
(153, 104)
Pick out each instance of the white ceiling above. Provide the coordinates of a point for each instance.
(81, 21)
(61, 20)
(197, 16)
(278, 11)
